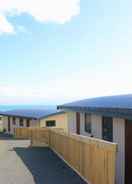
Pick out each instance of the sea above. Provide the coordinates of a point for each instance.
(14, 107)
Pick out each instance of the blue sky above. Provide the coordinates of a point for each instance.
(77, 49)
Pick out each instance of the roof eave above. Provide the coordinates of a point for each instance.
(19, 116)
(114, 112)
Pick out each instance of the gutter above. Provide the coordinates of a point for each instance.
(114, 112)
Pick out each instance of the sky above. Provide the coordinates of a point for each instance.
(57, 51)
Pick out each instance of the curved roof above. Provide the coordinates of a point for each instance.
(31, 113)
(120, 101)
(120, 105)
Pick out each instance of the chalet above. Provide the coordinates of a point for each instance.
(33, 118)
(108, 118)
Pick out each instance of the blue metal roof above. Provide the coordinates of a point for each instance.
(31, 113)
(120, 105)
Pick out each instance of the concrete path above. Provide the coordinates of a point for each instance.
(20, 164)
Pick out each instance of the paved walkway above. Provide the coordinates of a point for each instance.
(20, 164)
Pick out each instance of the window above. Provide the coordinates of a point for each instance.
(14, 121)
(28, 123)
(107, 129)
(21, 122)
(51, 123)
(88, 127)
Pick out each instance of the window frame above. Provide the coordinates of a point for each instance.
(107, 128)
(27, 123)
(49, 123)
(88, 123)
(14, 120)
(21, 122)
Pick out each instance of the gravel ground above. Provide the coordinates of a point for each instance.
(20, 164)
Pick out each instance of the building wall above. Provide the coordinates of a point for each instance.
(61, 121)
(71, 120)
(119, 138)
(5, 122)
(1, 124)
(33, 123)
(96, 125)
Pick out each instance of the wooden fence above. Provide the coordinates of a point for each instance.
(23, 133)
(93, 159)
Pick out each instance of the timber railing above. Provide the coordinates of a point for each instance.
(93, 159)
(23, 133)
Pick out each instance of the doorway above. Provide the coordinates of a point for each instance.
(128, 152)
(78, 123)
(9, 125)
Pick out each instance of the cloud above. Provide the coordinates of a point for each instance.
(57, 11)
(5, 26)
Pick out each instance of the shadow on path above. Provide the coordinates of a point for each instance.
(4, 136)
(46, 167)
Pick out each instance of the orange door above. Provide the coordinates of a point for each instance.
(9, 124)
(78, 123)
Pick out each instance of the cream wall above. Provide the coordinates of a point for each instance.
(61, 121)
(71, 118)
(5, 120)
(33, 123)
(1, 124)
(119, 138)
(96, 124)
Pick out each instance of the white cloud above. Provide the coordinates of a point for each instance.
(58, 11)
(5, 26)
